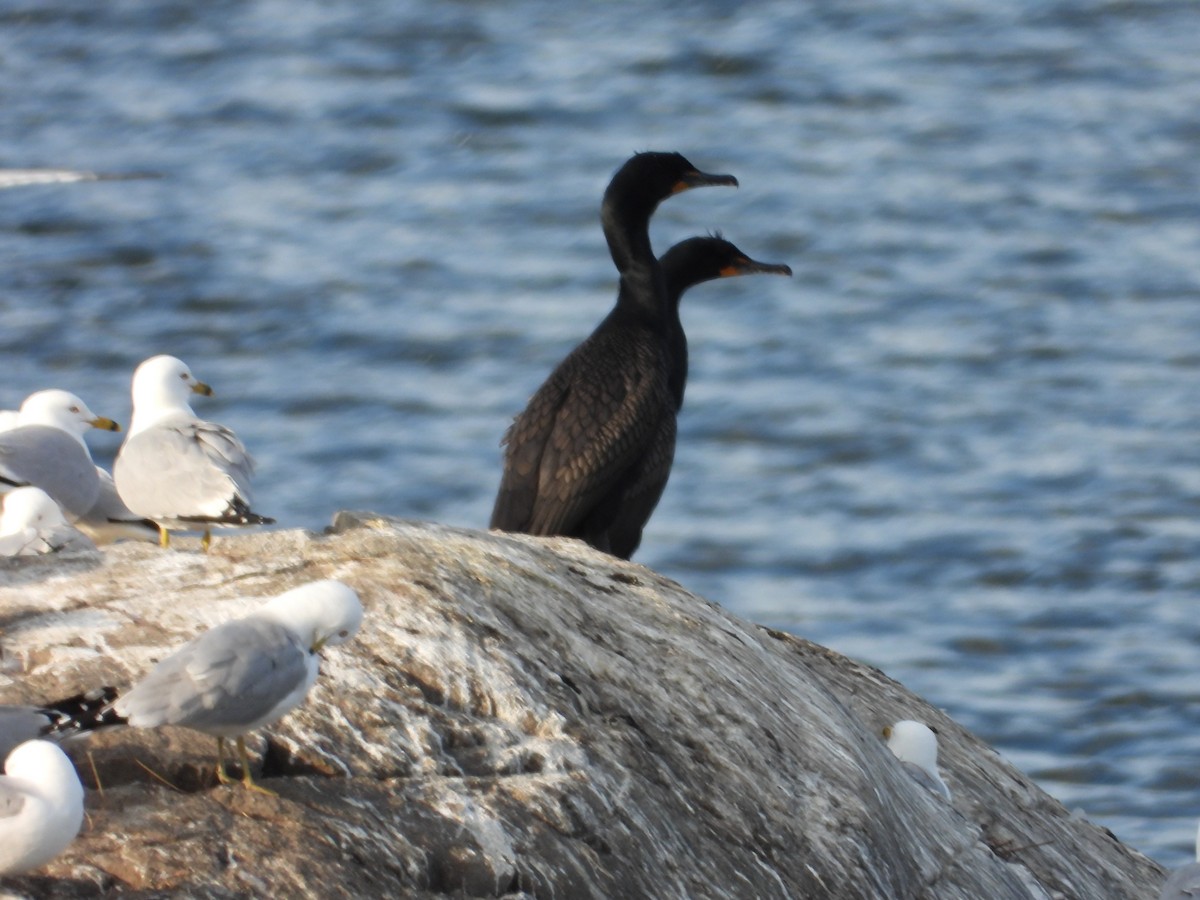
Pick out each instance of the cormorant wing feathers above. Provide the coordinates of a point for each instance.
(578, 442)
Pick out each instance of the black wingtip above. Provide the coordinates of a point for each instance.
(79, 713)
(238, 512)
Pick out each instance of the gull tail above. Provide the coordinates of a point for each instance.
(238, 512)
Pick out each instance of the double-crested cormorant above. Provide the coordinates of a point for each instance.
(571, 453)
(685, 265)
(584, 453)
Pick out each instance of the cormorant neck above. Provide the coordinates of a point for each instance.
(627, 231)
(643, 292)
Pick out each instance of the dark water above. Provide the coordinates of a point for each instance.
(960, 444)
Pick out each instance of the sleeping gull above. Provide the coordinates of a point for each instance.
(178, 470)
(247, 673)
(57, 720)
(46, 449)
(41, 806)
(32, 524)
(1184, 882)
(915, 745)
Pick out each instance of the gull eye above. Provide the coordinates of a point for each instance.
(183, 375)
(345, 632)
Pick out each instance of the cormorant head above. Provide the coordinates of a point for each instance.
(647, 179)
(701, 259)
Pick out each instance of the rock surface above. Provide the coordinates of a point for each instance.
(518, 718)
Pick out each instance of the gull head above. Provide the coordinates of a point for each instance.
(62, 410)
(163, 384)
(323, 613)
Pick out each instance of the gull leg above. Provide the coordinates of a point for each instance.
(164, 537)
(222, 775)
(247, 780)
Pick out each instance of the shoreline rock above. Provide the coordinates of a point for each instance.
(519, 717)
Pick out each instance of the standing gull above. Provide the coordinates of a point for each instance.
(246, 673)
(46, 450)
(175, 469)
(32, 524)
(41, 806)
(915, 745)
(583, 447)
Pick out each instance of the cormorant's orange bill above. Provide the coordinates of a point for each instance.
(702, 179)
(747, 266)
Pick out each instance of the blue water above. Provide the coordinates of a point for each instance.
(960, 444)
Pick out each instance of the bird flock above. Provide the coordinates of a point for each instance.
(588, 457)
(174, 471)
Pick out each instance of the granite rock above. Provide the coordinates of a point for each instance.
(518, 717)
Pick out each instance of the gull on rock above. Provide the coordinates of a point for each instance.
(915, 744)
(41, 806)
(175, 469)
(32, 524)
(246, 673)
(46, 450)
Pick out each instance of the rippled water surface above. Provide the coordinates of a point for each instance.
(960, 444)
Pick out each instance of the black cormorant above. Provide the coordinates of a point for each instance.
(593, 435)
(685, 265)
